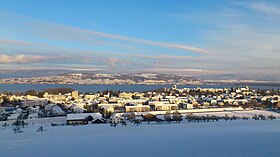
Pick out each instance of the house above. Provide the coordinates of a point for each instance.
(138, 108)
(33, 109)
(84, 118)
(33, 112)
(185, 106)
(53, 110)
(77, 108)
(110, 107)
(166, 107)
(53, 97)
(117, 118)
(98, 120)
(132, 101)
(14, 116)
(91, 96)
(35, 102)
(33, 115)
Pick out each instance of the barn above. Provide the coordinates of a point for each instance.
(84, 118)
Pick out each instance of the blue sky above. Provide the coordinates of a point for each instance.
(186, 36)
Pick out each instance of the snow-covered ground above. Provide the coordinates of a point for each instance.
(232, 138)
(246, 113)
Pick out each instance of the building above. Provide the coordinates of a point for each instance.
(187, 106)
(53, 110)
(166, 107)
(34, 102)
(110, 107)
(33, 116)
(91, 96)
(75, 95)
(84, 118)
(132, 101)
(117, 118)
(138, 108)
(14, 116)
(53, 97)
(33, 112)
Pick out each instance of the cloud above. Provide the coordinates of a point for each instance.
(22, 58)
(264, 7)
(12, 42)
(53, 31)
(114, 62)
(162, 63)
(239, 39)
(165, 57)
(148, 42)
(90, 48)
(181, 71)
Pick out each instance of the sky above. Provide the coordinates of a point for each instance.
(185, 36)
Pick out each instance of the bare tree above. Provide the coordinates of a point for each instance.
(177, 116)
(41, 129)
(271, 117)
(168, 116)
(17, 130)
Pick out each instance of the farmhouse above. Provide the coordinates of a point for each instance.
(117, 118)
(84, 118)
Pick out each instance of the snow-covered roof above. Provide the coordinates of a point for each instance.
(79, 116)
(166, 105)
(111, 104)
(33, 115)
(138, 106)
(13, 116)
(18, 110)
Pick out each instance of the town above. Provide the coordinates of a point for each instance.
(149, 78)
(63, 106)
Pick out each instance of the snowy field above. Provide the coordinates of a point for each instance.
(241, 138)
(246, 113)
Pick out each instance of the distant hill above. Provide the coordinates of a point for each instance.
(104, 78)
(63, 76)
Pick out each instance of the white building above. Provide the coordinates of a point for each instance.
(34, 102)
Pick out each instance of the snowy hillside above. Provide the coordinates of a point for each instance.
(232, 138)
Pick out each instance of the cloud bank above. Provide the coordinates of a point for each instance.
(238, 37)
(22, 58)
